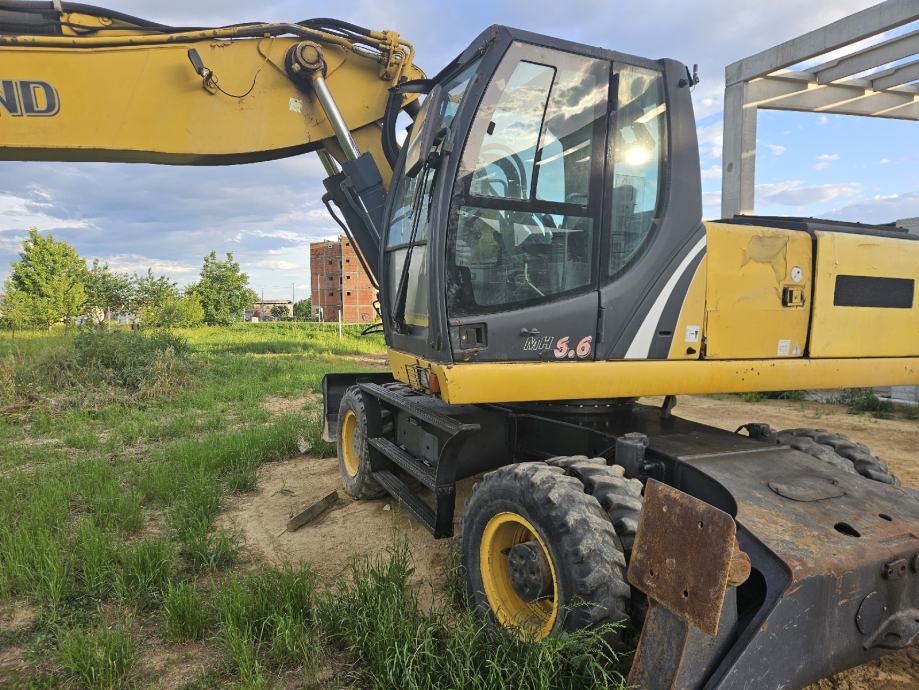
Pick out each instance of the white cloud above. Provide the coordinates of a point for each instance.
(34, 211)
(823, 120)
(795, 193)
(879, 209)
(884, 161)
(825, 159)
(136, 263)
(711, 139)
(276, 264)
(776, 149)
(711, 173)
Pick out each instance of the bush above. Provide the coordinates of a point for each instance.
(174, 312)
(98, 364)
(124, 358)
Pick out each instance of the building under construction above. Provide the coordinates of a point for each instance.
(339, 283)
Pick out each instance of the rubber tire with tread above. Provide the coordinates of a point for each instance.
(838, 450)
(361, 485)
(585, 551)
(620, 497)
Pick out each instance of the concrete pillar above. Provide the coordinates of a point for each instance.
(738, 178)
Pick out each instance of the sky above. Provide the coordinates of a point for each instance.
(167, 218)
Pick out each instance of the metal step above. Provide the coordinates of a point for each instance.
(420, 471)
(410, 404)
(398, 489)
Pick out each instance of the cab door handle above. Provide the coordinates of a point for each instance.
(529, 331)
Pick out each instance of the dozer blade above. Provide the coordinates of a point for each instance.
(788, 571)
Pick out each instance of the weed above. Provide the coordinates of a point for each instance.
(84, 439)
(100, 658)
(144, 573)
(185, 612)
(207, 551)
(95, 558)
(858, 400)
(268, 617)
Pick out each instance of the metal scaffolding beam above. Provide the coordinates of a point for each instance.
(762, 81)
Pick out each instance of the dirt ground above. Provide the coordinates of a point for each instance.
(367, 527)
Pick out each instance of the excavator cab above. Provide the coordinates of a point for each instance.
(543, 189)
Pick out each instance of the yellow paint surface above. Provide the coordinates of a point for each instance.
(748, 268)
(863, 331)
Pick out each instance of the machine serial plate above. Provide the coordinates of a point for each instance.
(682, 555)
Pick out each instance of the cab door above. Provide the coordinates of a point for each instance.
(523, 236)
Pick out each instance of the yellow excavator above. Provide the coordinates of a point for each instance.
(541, 263)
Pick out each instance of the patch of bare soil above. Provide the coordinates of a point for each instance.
(370, 360)
(347, 529)
(277, 405)
(14, 618)
(173, 666)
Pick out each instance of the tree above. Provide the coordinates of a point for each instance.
(107, 291)
(52, 276)
(17, 310)
(223, 290)
(150, 290)
(174, 312)
(303, 309)
(279, 311)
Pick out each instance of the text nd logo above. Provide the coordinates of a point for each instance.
(29, 98)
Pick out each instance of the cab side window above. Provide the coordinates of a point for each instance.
(411, 209)
(639, 146)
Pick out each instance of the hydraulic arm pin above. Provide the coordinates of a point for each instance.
(305, 59)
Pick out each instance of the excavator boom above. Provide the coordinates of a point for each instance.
(96, 85)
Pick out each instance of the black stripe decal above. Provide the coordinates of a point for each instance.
(663, 336)
(868, 291)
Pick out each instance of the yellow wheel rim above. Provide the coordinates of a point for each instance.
(534, 619)
(350, 438)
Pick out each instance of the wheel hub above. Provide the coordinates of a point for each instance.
(530, 574)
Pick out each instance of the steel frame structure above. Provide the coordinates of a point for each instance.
(764, 82)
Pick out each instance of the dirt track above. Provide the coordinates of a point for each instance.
(353, 527)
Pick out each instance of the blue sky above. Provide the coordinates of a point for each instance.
(168, 218)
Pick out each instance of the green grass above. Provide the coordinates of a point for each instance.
(98, 659)
(186, 615)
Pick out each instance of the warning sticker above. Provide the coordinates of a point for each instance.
(295, 105)
(692, 334)
(784, 348)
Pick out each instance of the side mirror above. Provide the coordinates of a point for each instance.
(423, 134)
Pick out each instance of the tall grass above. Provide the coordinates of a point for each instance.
(113, 472)
(97, 659)
(375, 615)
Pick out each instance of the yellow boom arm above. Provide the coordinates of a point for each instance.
(100, 88)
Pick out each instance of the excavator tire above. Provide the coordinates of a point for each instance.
(540, 554)
(839, 451)
(620, 497)
(353, 449)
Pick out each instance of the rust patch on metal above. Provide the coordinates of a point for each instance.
(684, 555)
